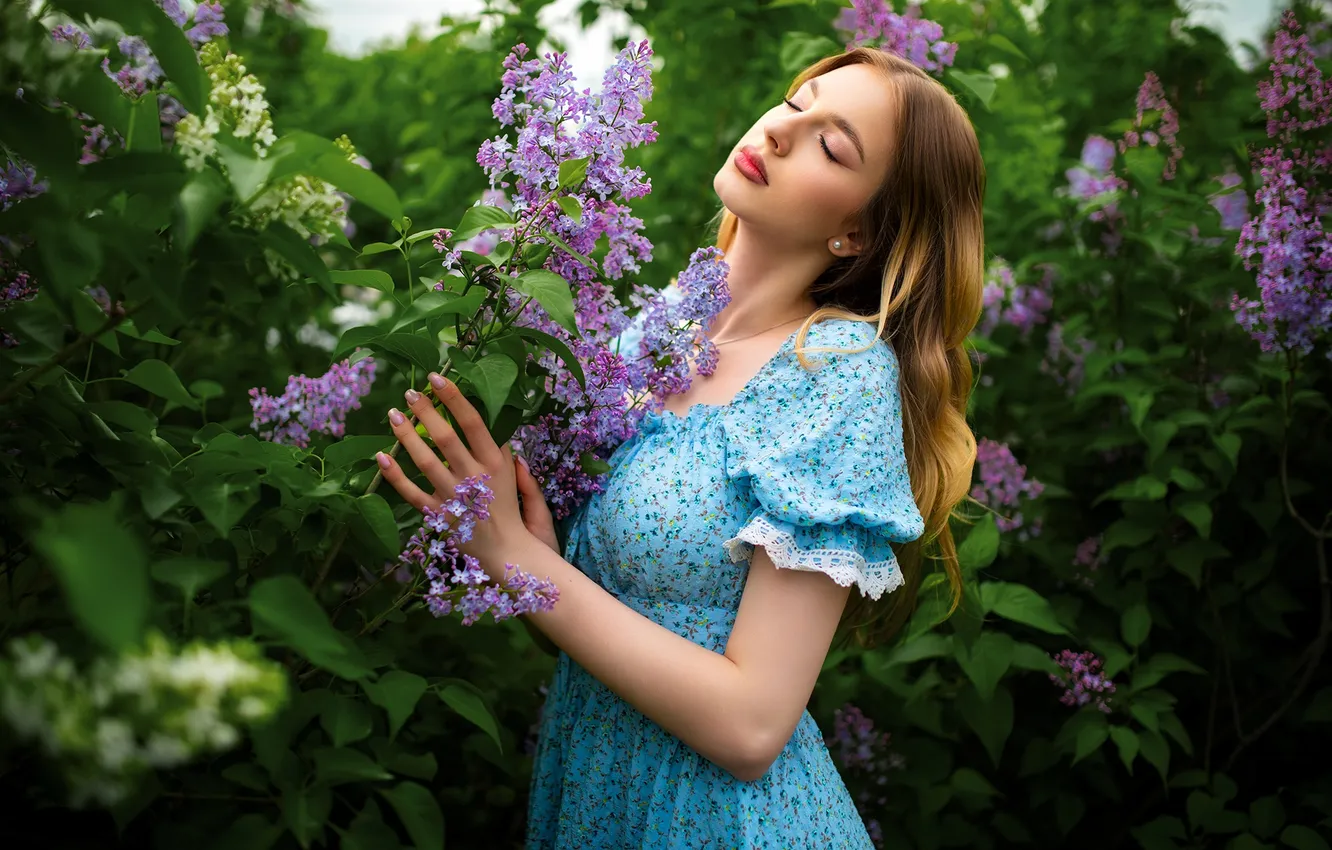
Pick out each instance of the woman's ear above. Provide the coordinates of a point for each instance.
(846, 245)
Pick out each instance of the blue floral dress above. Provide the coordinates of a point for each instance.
(810, 465)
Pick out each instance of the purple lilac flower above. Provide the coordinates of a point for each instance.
(208, 24)
(173, 11)
(1082, 680)
(919, 41)
(16, 289)
(1234, 205)
(1286, 243)
(1004, 301)
(312, 405)
(140, 72)
(1065, 359)
(1152, 97)
(457, 581)
(71, 34)
(1094, 176)
(676, 329)
(1003, 483)
(863, 754)
(96, 143)
(18, 182)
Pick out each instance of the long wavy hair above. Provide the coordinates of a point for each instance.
(919, 281)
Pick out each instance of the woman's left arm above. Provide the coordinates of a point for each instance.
(738, 709)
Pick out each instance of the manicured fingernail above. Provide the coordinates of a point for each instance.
(436, 380)
(384, 462)
(412, 396)
(395, 417)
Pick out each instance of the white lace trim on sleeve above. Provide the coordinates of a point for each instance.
(844, 567)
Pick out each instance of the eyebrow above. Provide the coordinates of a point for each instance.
(843, 124)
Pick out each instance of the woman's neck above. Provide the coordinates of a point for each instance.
(769, 281)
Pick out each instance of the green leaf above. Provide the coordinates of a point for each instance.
(1127, 742)
(435, 304)
(981, 85)
(397, 692)
(346, 720)
(339, 765)
(368, 831)
(467, 703)
(160, 379)
(376, 525)
(189, 574)
(801, 49)
(302, 256)
(1198, 514)
(377, 248)
(300, 152)
(419, 812)
(283, 607)
(1135, 623)
(224, 500)
(305, 809)
(981, 545)
(969, 781)
(1302, 838)
(559, 348)
(480, 218)
(1156, 751)
(1266, 815)
(986, 661)
(247, 172)
(550, 291)
(102, 567)
(1020, 604)
(418, 350)
(247, 775)
(1091, 735)
(573, 172)
(571, 207)
(351, 450)
(992, 721)
(252, 831)
(196, 207)
(1004, 44)
(1229, 444)
(492, 376)
(369, 278)
(1144, 488)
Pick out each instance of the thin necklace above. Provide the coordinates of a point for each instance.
(756, 333)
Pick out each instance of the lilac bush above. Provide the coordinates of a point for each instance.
(863, 754)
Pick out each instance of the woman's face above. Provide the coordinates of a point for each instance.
(822, 156)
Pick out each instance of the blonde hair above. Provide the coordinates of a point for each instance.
(918, 280)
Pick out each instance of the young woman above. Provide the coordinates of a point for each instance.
(769, 509)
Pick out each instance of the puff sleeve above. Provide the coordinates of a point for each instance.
(824, 458)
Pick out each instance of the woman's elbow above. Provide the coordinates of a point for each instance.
(752, 761)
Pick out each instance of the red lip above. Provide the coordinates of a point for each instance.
(750, 163)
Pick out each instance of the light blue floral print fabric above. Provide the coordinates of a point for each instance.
(808, 464)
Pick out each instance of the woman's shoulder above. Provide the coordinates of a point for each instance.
(857, 349)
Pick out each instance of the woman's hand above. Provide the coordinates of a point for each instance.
(504, 531)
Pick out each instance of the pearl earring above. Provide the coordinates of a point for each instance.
(837, 244)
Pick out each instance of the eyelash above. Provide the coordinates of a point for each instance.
(826, 152)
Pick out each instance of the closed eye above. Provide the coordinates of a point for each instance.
(822, 141)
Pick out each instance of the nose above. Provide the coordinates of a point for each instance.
(778, 129)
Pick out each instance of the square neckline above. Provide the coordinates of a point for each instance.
(670, 415)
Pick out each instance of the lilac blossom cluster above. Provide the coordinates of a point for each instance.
(1087, 556)
(1082, 680)
(1065, 359)
(312, 405)
(870, 23)
(457, 581)
(1152, 97)
(1286, 243)
(1094, 183)
(556, 125)
(1003, 483)
(1232, 203)
(18, 182)
(16, 289)
(859, 750)
(1006, 302)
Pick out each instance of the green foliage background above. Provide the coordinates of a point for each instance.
(1212, 607)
